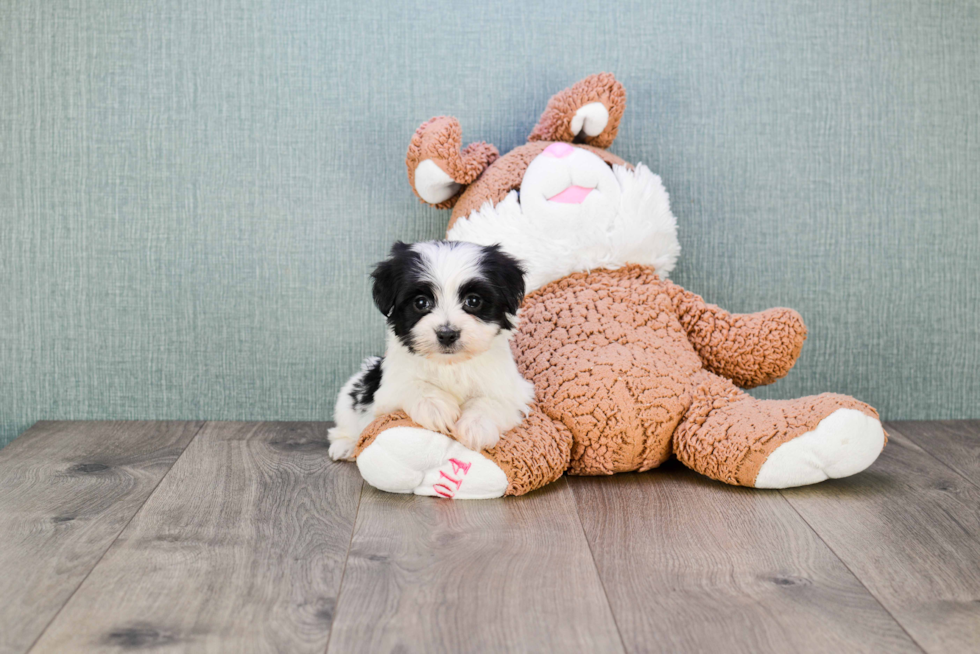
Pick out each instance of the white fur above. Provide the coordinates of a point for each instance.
(474, 392)
(462, 398)
(448, 268)
(842, 444)
(349, 422)
(476, 399)
(602, 232)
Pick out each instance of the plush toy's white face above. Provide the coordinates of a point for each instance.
(565, 181)
(575, 213)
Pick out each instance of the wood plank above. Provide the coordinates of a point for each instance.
(909, 529)
(430, 575)
(693, 565)
(66, 491)
(954, 442)
(240, 549)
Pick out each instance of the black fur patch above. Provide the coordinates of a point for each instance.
(401, 278)
(503, 281)
(397, 282)
(391, 274)
(364, 388)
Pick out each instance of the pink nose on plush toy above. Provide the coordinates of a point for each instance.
(559, 150)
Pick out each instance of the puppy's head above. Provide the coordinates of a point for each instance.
(447, 300)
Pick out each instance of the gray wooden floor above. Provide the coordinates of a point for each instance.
(242, 537)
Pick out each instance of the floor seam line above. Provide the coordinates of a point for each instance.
(854, 574)
(595, 564)
(343, 573)
(115, 539)
(934, 457)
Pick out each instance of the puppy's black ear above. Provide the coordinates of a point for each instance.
(506, 274)
(387, 278)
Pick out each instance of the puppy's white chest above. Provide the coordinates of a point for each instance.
(459, 380)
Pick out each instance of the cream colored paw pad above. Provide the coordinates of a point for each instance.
(423, 462)
(842, 444)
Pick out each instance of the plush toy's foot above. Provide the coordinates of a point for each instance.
(423, 462)
(842, 444)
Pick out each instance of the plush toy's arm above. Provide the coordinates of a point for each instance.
(534, 453)
(751, 349)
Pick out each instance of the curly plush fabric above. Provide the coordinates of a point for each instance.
(534, 453)
(626, 361)
(555, 123)
(622, 367)
(732, 345)
(727, 434)
(440, 140)
(608, 359)
(630, 369)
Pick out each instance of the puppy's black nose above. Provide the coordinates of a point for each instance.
(447, 335)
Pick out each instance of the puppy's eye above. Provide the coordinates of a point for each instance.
(472, 301)
(422, 303)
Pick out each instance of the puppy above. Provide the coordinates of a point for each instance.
(451, 309)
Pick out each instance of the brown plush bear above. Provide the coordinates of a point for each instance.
(629, 368)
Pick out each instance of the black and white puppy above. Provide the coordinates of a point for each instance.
(451, 309)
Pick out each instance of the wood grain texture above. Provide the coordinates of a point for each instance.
(692, 565)
(909, 529)
(955, 443)
(512, 575)
(242, 542)
(240, 549)
(67, 489)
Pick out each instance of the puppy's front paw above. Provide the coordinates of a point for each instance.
(435, 412)
(341, 446)
(476, 431)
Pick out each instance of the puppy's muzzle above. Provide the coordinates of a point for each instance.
(447, 336)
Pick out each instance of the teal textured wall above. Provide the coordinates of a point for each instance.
(192, 193)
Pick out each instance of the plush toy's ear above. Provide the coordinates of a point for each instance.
(437, 168)
(588, 112)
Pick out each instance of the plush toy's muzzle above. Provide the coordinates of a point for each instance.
(507, 174)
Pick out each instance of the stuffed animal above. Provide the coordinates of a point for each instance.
(629, 368)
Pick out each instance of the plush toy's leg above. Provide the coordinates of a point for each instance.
(396, 455)
(405, 458)
(730, 436)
